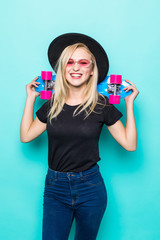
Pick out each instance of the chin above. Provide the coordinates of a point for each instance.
(76, 82)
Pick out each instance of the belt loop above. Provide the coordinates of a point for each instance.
(55, 176)
(81, 175)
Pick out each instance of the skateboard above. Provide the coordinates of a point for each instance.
(112, 87)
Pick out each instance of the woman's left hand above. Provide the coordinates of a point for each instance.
(133, 95)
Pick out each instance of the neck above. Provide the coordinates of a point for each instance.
(75, 94)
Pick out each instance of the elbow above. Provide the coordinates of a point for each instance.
(131, 148)
(23, 139)
(26, 139)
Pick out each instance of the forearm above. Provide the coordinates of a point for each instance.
(27, 117)
(131, 131)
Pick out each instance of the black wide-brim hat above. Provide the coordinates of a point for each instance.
(57, 46)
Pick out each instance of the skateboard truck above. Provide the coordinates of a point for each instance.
(47, 77)
(114, 89)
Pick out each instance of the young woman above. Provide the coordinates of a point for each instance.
(74, 187)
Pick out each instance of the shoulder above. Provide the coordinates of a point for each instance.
(103, 100)
(102, 104)
(49, 103)
(45, 106)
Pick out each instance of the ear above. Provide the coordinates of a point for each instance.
(91, 73)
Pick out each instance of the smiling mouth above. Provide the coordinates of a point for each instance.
(76, 75)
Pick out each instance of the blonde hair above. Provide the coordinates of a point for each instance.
(61, 87)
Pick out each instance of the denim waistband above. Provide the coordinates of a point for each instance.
(58, 174)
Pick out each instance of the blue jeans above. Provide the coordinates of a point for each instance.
(69, 195)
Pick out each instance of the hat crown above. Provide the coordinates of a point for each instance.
(57, 46)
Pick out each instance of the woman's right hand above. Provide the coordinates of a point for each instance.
(30, 88)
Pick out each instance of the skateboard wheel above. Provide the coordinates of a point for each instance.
(114, 99)
(45, 94)
(115, 79)
(46, 75)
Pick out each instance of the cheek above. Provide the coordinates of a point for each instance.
(88, 72)
(66, 72)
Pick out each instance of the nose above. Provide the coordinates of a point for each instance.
(76, 66)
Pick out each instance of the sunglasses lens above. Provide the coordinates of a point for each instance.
(70, 62)
(84, 63)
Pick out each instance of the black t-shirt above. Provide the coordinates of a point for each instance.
(73, 141)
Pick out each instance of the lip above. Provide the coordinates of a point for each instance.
(75, 73)
(76, 77)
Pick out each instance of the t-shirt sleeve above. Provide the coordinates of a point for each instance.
(43, 111)
(111, 113)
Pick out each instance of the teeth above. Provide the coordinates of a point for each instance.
(75, 75)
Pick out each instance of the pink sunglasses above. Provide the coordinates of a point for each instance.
(81, 62)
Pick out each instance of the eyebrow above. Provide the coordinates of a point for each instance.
(80, 59)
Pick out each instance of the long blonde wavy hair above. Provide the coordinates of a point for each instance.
(61, 87)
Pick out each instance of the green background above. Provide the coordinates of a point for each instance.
(129, 32)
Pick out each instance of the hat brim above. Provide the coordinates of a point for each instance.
(57, 46)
